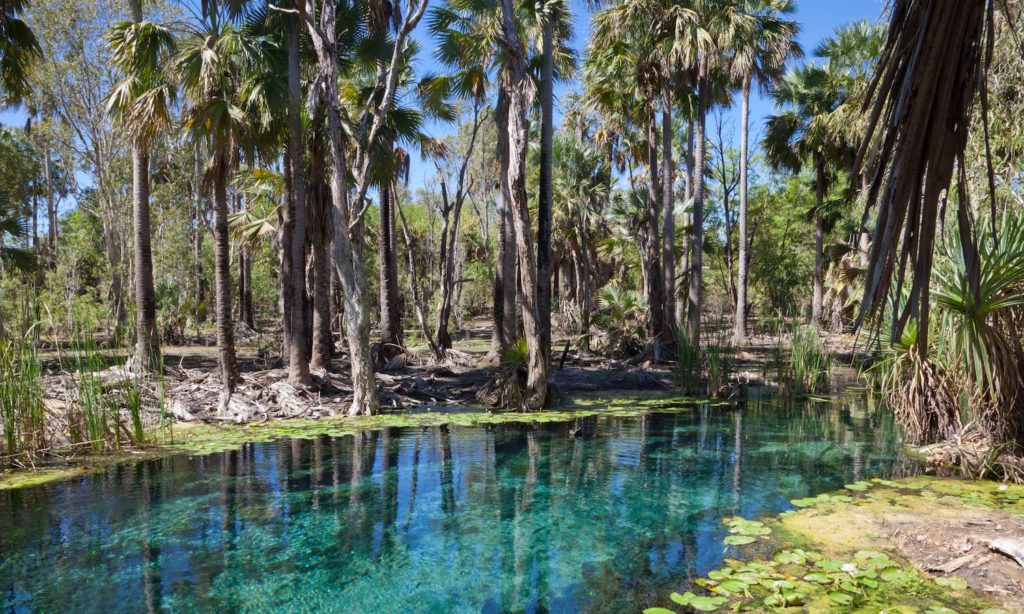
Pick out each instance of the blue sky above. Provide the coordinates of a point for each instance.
(818, 19)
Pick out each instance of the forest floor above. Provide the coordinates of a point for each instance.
(923, 544)
(415, 390)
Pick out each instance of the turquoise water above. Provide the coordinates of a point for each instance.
(469, 519)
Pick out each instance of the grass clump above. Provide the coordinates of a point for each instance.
(810, 370)
(22, 412)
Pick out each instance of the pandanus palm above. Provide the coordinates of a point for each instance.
(141, 102)
(209, 65)
(18, 49)
(760, 55)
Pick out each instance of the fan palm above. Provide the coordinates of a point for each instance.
(759, 55)
(141, 102)
(210, 64)
(808, 94)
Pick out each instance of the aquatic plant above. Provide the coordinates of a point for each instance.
(810, 362)
(22, 412)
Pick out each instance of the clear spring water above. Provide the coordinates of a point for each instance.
(469, 519)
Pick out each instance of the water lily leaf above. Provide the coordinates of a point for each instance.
(739, 540)
(819, 578)
(658, 611)
(733, 586)
(840, 597)
(790, 557)
(890, 574)
(858, 486)
(938, 609)
(707, 604)
(683, 599)
(720, 574)
(957, 584)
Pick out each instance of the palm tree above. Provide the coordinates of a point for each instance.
(801, 133)
(707, 29)
(760, 54)
(815, 124)
(580, 185)
(18, 49)
(209, 65)
(142, 102)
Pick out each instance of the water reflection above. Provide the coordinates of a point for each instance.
(601, 513)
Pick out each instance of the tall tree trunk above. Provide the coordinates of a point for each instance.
(819, 238)
(414, 283)
(147, 345)
(51, 209)
(544, 196)
(739, 335)
(222, 275)
(295, 255)
(668, 228)
(652, 244)
(323, 342)
(499, 339)
(197, 235)
(446, 257)
(696, 296)
(509, 258)
(347, 237)
(390, 317)
(516, 81)
(321, 221)
(684, 259)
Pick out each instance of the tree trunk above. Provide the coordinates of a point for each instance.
(668, 229)
(652, 244)
(499, 337)
(390, 317)
(414, 283)
(51, 210)
(222, 274)
(517, 84)
(693, 309)
(446, 257)
(147, 345)
(347, 238)
(295, 255)
(323, 342)
(544, 197)
(197, 236)
(739, 334)
(509, 260)
(684, 259)
(819, 237)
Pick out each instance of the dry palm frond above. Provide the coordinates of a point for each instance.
(921, 101)
(921, 393)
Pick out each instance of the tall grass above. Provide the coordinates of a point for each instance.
(708, 367)
(22, 411)
(810, 362)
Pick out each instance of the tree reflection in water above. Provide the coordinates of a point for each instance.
(601, 513)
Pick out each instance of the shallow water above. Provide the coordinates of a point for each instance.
(473, 519)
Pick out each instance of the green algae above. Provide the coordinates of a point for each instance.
(818, 563)
(203, 438)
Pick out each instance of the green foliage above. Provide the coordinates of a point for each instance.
(22, 413)
(810, 362)
(621, 321)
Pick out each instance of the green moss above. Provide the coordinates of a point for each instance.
(34, 477)
(826, 556)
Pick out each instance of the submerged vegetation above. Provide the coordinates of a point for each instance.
(832, 553)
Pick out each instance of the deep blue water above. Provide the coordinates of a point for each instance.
(468, 519)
